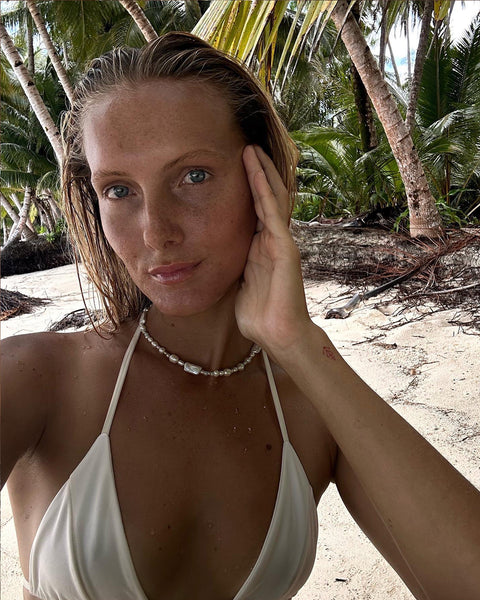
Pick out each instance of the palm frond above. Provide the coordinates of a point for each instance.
(249, 29)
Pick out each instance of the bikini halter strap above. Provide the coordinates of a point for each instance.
(276, 399)
(123, 373)
(120, 380)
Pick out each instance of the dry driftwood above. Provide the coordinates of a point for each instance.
(75, 319)
(13, 304)
(446, 272)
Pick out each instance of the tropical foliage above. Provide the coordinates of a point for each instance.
(297, 52)
(448, 120)
(446, 134)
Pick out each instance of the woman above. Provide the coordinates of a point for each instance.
(163, 455)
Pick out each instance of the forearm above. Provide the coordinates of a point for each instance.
(432, 512)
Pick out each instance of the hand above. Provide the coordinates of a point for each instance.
(270, 306)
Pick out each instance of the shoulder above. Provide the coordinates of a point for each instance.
(32, 348)
(37, 360)
(37, 371)
(38, 364)
(29, 361)
(26, 366)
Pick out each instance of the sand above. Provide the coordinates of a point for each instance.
(427, 370)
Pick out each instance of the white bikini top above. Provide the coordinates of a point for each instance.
(80, 551)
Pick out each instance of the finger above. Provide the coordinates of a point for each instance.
(263, 161)
(274, 178)
(266, 203)
(276, 183)
(252, 166)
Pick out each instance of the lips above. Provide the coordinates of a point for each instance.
(173, 272)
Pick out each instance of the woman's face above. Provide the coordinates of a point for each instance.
(175, 204)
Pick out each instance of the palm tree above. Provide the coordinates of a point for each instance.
(7, 211)
(22, 217)
(31, 92)
(424, 216)
(72, 32)
(448, 119)
(419, 62)
(225, 25)
(140, 19)
(52, 53)
(27, 158)
(336, 178)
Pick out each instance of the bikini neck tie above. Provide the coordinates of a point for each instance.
(189, 367)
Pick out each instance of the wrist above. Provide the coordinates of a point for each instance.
(309, 341)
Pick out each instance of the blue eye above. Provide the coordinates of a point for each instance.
(196, 176)
(118, 191)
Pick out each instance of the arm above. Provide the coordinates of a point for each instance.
(23, 414)
(405, 494)
(430, 511)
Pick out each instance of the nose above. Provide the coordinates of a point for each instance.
(162, 226)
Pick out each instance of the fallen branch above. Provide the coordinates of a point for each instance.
(449, 291)
(14, 304)
(343, 312)
(73, 320)
(367, 340)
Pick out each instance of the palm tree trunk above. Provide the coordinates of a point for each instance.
(368, 133)
(30, 50)
(424, 217)
(140, 19)
(18, 205)
(193, 7)
(407, 34)
(52, 53)
(23, 216)
(15, 219)
(419, 62)
(394, 64)
(4, 230)
(31, 92)
(16, 201)
(45, 213)
(55, 209)
(9, 210)
(27, 233)
(383, 36)
(30, 226)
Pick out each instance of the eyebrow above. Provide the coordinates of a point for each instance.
(192, 154)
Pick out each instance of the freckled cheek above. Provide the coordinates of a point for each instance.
(121, 235)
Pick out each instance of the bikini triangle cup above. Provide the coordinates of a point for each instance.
(70, 561)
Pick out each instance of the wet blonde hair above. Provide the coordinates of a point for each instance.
(177, 56)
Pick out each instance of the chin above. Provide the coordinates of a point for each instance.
(189, 304)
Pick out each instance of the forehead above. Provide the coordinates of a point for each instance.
(158, 115)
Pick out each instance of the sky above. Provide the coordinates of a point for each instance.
(462, 15)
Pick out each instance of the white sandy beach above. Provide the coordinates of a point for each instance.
(427, 370)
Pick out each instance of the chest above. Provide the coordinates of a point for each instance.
(197, 486)
(196, 474)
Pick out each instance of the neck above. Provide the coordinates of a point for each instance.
(210, 339)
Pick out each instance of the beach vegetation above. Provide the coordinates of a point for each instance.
(352, 158)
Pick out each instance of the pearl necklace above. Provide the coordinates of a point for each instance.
(190, 367)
